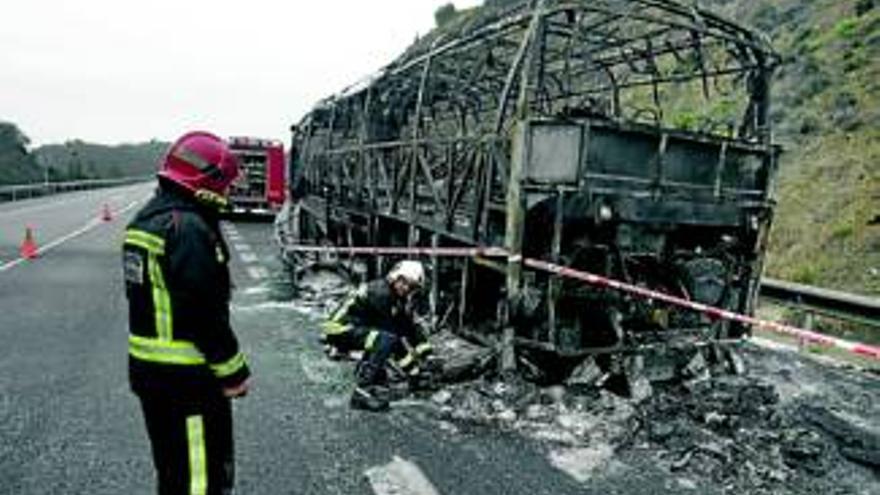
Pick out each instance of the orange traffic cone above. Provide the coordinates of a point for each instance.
(106, 214)
(28, 249)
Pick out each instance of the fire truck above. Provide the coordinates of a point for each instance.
(261, 186)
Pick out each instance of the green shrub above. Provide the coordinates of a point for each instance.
(685, 120)
(444, 14)
(806, 274)
(846, 28)
(841, 232)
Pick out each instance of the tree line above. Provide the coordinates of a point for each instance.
(72, 160)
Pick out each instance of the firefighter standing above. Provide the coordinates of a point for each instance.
(184, 360)
(374, 318)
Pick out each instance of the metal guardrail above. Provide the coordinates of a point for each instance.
(24, 191)
(839, 305)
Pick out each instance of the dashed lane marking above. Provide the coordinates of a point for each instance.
(242, 248)
(335, 401)
(257, 272)
(250, 291)
(400, 476)
(274, 305)
(248, 257)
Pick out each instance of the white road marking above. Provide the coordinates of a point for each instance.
(260, 289)
(242, 248)
(248, 257)
(335, 401)
(257, 272)
(91, 224)
(400, 477)
(272, 305)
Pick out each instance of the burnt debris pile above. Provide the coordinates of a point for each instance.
(786, 424)
(735, 433)
(732, 433)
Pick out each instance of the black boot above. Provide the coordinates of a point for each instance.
(367, 394)
(368, 399)
(420, 380)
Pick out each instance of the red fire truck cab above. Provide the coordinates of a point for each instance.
(261, 186)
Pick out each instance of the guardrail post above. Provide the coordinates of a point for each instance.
(807, 322)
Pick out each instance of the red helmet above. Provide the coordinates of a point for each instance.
(200, 161)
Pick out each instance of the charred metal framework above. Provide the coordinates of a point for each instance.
(626, 137)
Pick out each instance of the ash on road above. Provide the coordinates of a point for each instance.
(789, 425)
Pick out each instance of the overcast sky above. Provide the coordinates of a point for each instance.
(112, 71)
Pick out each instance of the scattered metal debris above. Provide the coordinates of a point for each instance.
(789, 425)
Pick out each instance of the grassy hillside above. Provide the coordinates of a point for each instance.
(826, 113)
(827, 116)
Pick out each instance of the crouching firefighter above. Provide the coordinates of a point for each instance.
(184, 360)
(375, 318)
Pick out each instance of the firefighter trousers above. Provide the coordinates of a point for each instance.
(192, 444)
(378, 346)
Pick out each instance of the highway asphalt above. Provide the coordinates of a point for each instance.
(69, 425)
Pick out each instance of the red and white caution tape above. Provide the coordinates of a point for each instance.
(604, 282)
(710, 311)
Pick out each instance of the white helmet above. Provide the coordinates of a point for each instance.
(411, 271)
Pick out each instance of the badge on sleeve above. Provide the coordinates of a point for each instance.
(133, 266)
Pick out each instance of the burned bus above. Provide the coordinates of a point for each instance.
(626, 138)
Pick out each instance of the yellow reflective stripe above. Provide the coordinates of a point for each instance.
(150, 242)
(161, 299)
(212, 199)
(423, 348)
(360, 292)
(164, 351)
(150, 248)
(407, 360)
(198, 458)
(228, 367)
(334, 328)
(371, 340)
(155, 247)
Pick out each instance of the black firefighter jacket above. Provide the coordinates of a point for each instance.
(178, 288)
(373, 305)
